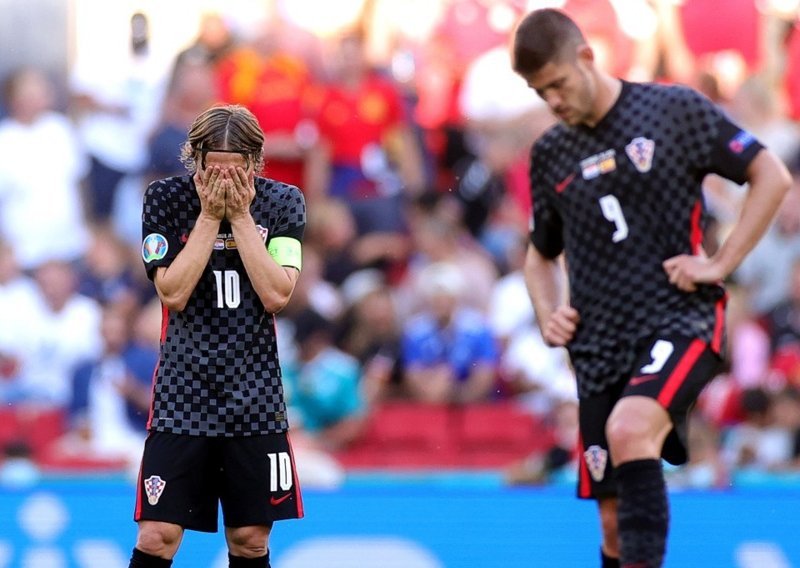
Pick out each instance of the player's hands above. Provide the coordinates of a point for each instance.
(241, 191)
(211, 190)
(686, 271)
(561, 326)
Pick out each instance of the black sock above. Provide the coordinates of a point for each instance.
(643, 513)
(141, 559)
(240, 562)
(608, 562)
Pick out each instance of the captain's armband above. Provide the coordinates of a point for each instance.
(286, 251)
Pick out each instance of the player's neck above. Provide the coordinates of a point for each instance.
(608, 91)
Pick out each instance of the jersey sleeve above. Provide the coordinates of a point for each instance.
(285, 241)
(731, 148)
(546, 226)
(161, 242)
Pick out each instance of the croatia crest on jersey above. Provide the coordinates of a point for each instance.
(640, 151)
(153, 488)
(596, 459)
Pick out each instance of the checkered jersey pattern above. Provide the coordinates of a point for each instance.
(218, 372)
(620, 198)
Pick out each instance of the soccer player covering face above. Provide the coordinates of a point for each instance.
(222, 247)
(616, 188)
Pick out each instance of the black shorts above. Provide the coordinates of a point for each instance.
(671, 370)
(184, 479)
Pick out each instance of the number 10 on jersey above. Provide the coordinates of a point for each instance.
(228, 289)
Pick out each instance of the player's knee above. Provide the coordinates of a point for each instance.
(158, 539)
(621, 431)
(248, 542)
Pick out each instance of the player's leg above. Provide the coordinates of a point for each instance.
(670, 373)
(259, 486)
(248, 547)
(156, 544)
(595, 474)
(609, 550)
(636, 430)
(177, 488)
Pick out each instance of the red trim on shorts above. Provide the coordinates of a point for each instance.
(137, 513)
(297, 492)
(682, 369)
(719, 324)
(696, 229)
(584, 483)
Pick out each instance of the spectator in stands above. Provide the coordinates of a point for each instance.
(116, 94)
(27, 192)
(332, 230)
(449, 353)
(276, 84)
(107, 274)
(371, 332)
(111, 393)
(326, 393)
(191, 90)
(439, 235)
(370, 156)
(766, 271)
(758, 442)
(213, 41)
(60, 330)
(783, 327)
(18, 298)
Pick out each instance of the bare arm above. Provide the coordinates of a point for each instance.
(544, 279)
(176, 282)
(769, 181)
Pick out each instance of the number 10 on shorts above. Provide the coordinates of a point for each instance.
(280, 471)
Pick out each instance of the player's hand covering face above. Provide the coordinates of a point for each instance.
(239, 191)
(211, 190)
(225, 183)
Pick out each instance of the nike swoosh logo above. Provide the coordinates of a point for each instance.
(635, 381)
(273, 501)
(562, 185)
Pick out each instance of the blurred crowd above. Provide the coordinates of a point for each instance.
(410, 143)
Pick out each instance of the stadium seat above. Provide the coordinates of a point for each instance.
(405, 435)
(497, 434)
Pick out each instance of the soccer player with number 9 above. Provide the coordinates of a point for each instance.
(616, 188)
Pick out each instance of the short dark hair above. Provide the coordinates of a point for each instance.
(231, 128)
(543, 36)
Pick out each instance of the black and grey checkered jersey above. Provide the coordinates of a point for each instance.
(218, 372)
(620, 198)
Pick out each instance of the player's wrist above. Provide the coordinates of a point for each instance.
(210, 217)
(239, 217)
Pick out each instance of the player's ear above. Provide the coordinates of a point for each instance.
(585, 53)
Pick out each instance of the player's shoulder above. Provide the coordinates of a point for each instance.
(169, 185)
(667, 93)
(277, 191)
(551, 138)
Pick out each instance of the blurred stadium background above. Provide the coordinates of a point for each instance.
(404, 126)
